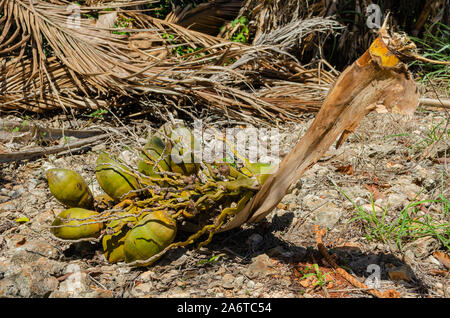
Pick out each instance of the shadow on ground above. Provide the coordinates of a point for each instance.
(236, 244)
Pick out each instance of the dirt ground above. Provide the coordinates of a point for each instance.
(399, 160)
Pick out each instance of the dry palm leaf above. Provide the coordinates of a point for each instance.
(377, 78)
(207, 17)
(92, 65)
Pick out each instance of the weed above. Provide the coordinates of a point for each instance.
(211, 260)
(408, 226)
(22, 126)
(98, 114)
(437, 132)
(122, 23)
(230, 161)
(435, 45)
(321, 276)
(179, 49)
(242, 33)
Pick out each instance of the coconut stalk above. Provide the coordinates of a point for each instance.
(378, 80)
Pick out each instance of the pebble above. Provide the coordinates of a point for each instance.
(250, 284)
(423, 247)
(397, 201)
(239, 281)
(142, 289)
(329, 218)
(260, 266)
(146, 276)
(431, 259)
(368, 208)
(227, 281)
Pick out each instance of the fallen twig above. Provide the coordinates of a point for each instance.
(444, 103)
(392, 293)
(42, 151)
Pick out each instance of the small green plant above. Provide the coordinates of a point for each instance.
(122, 23)
(230, 161)
(408, 226)
(66, 140)
(242, 33)
(437, 132)
(435, 45)
(98, 114)
(210, 260)
(321, 276)
(22, 126)
(179, 49)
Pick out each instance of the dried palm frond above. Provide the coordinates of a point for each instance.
(92, 64)
(267, 16)
(207, 17)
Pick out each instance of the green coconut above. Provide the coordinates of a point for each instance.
(113, 243)
(69, 188)
(76, 229)
(151, 235)
(114, 178)
(155, 158)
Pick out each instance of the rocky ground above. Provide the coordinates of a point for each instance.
(399, 160)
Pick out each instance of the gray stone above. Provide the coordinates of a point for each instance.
(260, 266)
(405, 186)
(142, 289)
(30, 280)
(227, 281)
(76, 285)
(423, 247)
(239, 281)
(397, 201)
(43, 248)
(328, 218)
(369, 209)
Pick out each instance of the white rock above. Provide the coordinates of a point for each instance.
(328, 218)
(397, 201)
(142, 289)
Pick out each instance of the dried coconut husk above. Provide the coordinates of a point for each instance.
(377, 80)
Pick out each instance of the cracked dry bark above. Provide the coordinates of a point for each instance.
(378, 80)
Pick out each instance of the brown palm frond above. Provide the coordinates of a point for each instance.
(207, 17)
(92, 64)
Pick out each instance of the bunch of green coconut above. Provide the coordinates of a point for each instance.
(138, 216)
